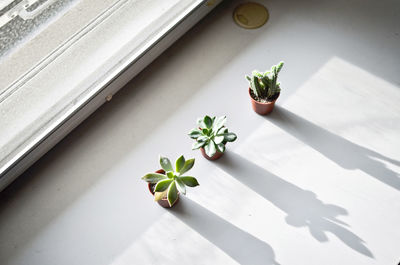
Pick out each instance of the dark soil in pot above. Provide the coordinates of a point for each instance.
(262, 106)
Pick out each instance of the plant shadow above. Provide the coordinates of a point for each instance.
(238, 244)
(302, 207)
(339, 150)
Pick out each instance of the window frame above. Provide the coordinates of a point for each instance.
(102, 92)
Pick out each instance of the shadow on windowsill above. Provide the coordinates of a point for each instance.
(341, 151)
(238, 244)
(302, 207)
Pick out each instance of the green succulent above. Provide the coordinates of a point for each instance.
(265, 85)
(211, 134)
(169, 184)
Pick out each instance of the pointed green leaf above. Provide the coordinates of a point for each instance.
(187, 166)
(195, 133)
(154, 177)
(166, 164)
(219, 122)
(189, 181)
(221, 147)
(229, 137)
(170, 174)
(202, 139)
(205, 132)
(222, 130)
(197, 145)
(163, 185)
(181, 186)
(208, 121)
(180, 162)
(200, 123)
(210, 149)
(172, 194)
(218, 139)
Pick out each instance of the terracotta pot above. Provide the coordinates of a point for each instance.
(164, 202)
(260, 107)
(217, 155)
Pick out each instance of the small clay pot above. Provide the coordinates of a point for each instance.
(163, 202)
(217, 155)
(260, 107)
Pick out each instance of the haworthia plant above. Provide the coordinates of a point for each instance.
(211, 134)
(171, 183)
(265, 85)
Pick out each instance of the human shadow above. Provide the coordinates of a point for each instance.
(302, 207)
(341, 151)
(238, 244)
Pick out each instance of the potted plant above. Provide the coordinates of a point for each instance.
(166, 184)
(264, 89)
(211, 136)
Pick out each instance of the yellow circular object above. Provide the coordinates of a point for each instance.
(250, 15)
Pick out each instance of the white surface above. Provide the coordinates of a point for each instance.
(316, 182)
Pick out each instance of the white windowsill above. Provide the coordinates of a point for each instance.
(316, 182)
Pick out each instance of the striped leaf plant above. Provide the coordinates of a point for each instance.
(211, 134)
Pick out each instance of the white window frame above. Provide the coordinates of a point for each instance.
(103, 90)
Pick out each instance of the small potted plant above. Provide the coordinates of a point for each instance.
(166, 184)
(264, 89)
(211, 136)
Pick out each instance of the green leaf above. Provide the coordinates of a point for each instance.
(208, 121)
(248, 78)
(154, 177)
(180, 162)
(219, 122)
(222, 130)
(218, 139)
(170, 174)
(205, 132)
(189, 181)
(210, 149)
(187, 166)
(202, 139)
(195, 133)
(166, 164)
(172, 194)
(197, 145)
(221, 147)
(230, 137)
(200, 123)
(181, 186)
(162, 185)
